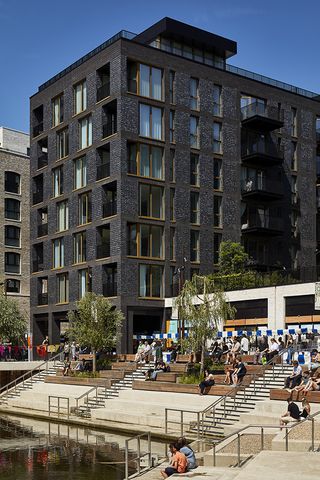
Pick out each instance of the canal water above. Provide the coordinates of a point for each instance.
(37, 450)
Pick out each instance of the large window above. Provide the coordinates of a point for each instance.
(62, 143)
(57, 110)
(12, 262)
(217, 101)
(194, 170)
(194, 208)
(57, 181)
(194, 132)
(80, 97)
(151, 122)
(150, 281)
(217, 174)
(12, 182)
(194, 246)
(217, 211)
(145, 80)
(217, 137)
(12, 236)
(79, 247)
(62, 216)
(172, 134)
(146, 160)
(58, 253)
(63, 288)
(151, 201)
(85, 132)
(84, 208)
(84, 279)
(12, 286)
(172, 87)
(145, 240)
(294, 122)
(194, 94)
(12, 209)
(79, 172)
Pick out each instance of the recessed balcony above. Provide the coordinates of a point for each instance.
(260, 150)
(260, 117)
(265, 225)
(43, 299)
(261, 189)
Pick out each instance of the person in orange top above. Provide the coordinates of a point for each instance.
(178, 462)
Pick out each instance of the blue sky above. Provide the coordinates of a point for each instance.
(277, 38)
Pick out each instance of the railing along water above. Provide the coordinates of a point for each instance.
(139, 456)
(58, 407)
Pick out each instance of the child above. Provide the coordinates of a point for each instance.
(178, 462)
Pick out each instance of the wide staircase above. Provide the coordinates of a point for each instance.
(31, 378)
(98, 399)
(227, 410)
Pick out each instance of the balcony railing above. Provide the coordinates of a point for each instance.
(109, 289)
(256, 221)
(258, 145)
(109, 129)
(43, 299)
(261, 185)
(37, 197)
(103, 171)
(103, 250)
(103, 92)
(109, 209)
(37, 266)
(42, 160)
(42, 229)
(37, 129)
(262, 110)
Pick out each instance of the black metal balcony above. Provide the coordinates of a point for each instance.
(37, 266)
(103, 171)
(37, 129)
(108, 129)
(103, 92)
(265, 225)
(42, 160)
(103, 250)
(37, 197)
(261, 189)
(257, 116)
(259, 150)
(109, 289)
(43, 299)
(109, 209)
(42, 229)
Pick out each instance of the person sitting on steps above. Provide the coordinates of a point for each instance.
(207, 382)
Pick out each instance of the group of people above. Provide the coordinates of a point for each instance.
(303, 382)
(147, 351)
(182, 458)
(152, 373)
(293, 413)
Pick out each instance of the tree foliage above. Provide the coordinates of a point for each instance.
(95, 323)
(204, 308)
(13, 323)
(232, 258)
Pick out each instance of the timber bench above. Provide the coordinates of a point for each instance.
(166, 377)
(217, 390)
(283, 394)
(127, 366)
(69, 380)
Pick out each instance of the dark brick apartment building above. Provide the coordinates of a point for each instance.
(152, 148)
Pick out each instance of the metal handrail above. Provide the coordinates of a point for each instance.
(28, 375)
(86, 395)
(138, 438)
(262, 428)
(222, 399)
(58, 406)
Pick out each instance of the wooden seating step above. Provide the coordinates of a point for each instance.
(167, 377)
(128, 366)
(69, 380)
(184, 358)
(283, 394)
(216, 390)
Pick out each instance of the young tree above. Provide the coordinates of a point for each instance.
(232, 258)
(13, 323)
(95, 323)
(204, 308)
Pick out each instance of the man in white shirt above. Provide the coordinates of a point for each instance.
(244, 345)
(235, 350)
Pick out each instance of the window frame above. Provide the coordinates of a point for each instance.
(57, 117)
(79, 247)
(89, 132)
(16, 212)
(59, 261)
(150, 122)
(83, 172)
(150, 201)
(88, 208)
(65, 285)
(136, 162)
(65, 219)
(149, 284)
(59, 179)
(83, 97)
